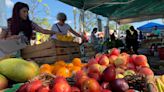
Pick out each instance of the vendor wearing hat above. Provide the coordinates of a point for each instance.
(63, 28)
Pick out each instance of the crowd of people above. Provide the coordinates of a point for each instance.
(20, 26)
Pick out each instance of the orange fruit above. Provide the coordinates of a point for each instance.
(76, 62)
(63, 72)
(46, 71)
(74, 69)
(56, 68)
(69, 66)
(45, 67)
(61, 63)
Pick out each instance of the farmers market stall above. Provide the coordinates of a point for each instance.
(110, 72)
(61, 69)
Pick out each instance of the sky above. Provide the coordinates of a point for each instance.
(56, 6)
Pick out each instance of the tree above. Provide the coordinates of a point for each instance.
(90, 21)
(124, 27)
(111, 26)
(37, 7)
(74, 13)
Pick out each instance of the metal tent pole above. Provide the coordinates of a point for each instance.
(107, 30)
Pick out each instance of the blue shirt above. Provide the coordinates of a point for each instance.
(156, 32)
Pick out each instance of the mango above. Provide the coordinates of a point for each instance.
(3, 82)
(18, 70)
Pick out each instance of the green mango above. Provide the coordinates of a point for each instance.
(18, 70)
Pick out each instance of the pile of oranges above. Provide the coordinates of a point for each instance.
(61, 68)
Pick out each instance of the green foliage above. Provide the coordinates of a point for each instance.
(111, 26)
(124, 27)
(40, 1)
(43, 22)
(90, 21)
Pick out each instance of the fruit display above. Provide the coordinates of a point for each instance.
(61, 68)
(64, 37)
(46, 83)
(110, 72)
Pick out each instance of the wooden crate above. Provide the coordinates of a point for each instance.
(87, 50)
(51, 51)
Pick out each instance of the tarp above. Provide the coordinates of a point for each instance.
(149, 27)
(122, 11)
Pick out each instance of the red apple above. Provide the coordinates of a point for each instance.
(75, 89)
(104, 60)
(96, 76)
(120, 61)
(98, 55)
(61, 85)
(140, 60)
(79, 74)
(94, 68)
(90, 85)
(106, 90)
(109, 74)
(59, 79)
(126, 56)
(112, 58)
(146, 71)
(43, 89)
(34, 85)
(92, 61)
(115, 51)
(105, 85)
(79, 82)
(131, 66)
(132, 58)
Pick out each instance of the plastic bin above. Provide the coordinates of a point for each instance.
(161, 53)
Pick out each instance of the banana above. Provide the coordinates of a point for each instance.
(162, 78)
(162, 84)
(159, 85)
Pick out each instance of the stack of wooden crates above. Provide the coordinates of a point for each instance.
(51, 51)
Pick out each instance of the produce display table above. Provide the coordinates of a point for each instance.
(51, 51)
(148, 42)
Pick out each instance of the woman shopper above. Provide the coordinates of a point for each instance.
(19, 25)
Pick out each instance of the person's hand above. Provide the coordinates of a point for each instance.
(83, 39)
(13, 37)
